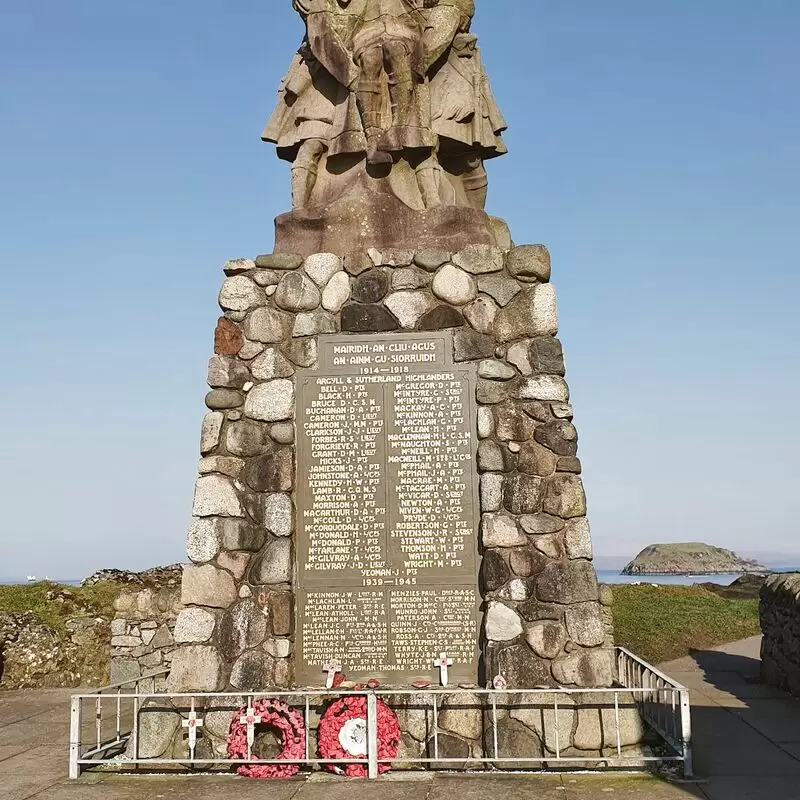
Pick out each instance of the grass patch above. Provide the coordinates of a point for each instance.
(666, 622)
(69, 601)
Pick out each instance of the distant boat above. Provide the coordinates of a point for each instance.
(31, 579)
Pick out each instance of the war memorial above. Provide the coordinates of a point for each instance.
(389, 537)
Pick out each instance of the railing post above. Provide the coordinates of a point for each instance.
(372, 735)
(686, 735)
(74, 738)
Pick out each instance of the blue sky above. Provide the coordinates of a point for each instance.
(655, 148)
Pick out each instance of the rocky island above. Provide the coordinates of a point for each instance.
(689, 558)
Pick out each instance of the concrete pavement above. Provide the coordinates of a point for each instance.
(747, 745)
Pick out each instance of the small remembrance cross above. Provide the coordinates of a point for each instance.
(193, 723)
(251, 719)
(332, 668)
(442, 663)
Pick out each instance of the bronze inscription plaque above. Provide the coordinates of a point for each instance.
(387, 510)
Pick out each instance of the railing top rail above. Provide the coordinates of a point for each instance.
(123, 684)
(673, 683)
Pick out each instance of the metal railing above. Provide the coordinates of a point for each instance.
(662, 703)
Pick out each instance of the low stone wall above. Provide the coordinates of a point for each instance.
(143, 632)
(780, 624)
(585, 726)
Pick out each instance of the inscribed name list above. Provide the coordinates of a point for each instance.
(387, 511)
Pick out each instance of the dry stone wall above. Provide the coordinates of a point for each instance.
(780, 626)
(543, 619)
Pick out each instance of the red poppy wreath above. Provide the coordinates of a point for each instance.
(343, 735)
(282, 718)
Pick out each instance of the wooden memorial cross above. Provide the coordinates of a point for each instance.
(251, 719)
(332, 668)
(442, 663)
(192, 723)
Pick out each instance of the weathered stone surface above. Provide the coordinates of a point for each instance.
(273, 472)
(250, 350)
(518, 354)
(215, 496)
(495, 370)
(454, 286)
(203, 541)
(278, 648)
(538, 410)
(536, 712)
(523, 494)
(546, 355)
(560, 436)
(533, 312)
(513, 424)
(253, 671)
(247, 438)
(242, 627)
(218, 399)
(485, 422)
(546, 638)
(209, 435)
(533, 611)
(196, 668)
(271, 402)
(278, 514)
(279, 261)
(361, 318)
(500, 530)
(409, 278)
(522, 669)
(490, 457)
(194, 626)
(481, 314)
(390, 257)
(356, 262)
(268, 325)
(569, 464)
(440, 318)
(207, 586)
(462, 715)
(529, 262)
(494, 571)
(534, 459)
(321, 267)
(544, 387)
(302, 352)
(271, 364)
(589, 669)
(228, 339)
(235, 563)
(227, 372)
(336, 293)
(371, 287)
(526, 561)
(503, 290)
(469, 345)
(238, 266)
(409, 306)
(281, 612)
(274, 565)
(239, 534)
(431, 260)
(311, 323)
(297, 292)
(450, 746)
(493, 392)
(282, 432)
(578, 539)
(517, 591)
(158, 724)
(502, 623)
(567, 582)
(239, 293)
(551, 545)
(267, 277)
(585, 624)
(565, 496)
(514, 740)
(480, 259)
(491, 491)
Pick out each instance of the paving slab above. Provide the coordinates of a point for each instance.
(627, 787)
(505, 787)
(752, 788)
